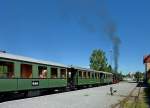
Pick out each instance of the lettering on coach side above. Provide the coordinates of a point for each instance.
(35, 83)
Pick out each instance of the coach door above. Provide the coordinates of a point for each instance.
(72, 80)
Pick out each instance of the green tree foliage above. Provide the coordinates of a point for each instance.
(138, 76)
(98, 60)
(109, 69)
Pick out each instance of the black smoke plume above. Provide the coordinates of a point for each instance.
(102, 17)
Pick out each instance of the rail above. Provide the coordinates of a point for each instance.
(122, 103)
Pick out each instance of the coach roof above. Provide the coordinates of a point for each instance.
(28, 59)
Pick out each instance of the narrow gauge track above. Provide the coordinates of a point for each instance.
(134, 95)
(137, 97)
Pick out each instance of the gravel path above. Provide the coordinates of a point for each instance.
(98, 97)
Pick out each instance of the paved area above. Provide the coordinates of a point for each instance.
(98, 97)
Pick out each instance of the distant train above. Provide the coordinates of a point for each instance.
(30, 76)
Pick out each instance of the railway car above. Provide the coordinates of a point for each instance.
(87, 77)
(24, 74)
(83, 77)
(31, 76)
(108, 78)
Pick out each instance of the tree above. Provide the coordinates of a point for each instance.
(138, 76)
(98, 60)
(109, 68)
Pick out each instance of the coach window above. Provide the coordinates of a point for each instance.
(26, 71)
(92, 75)
(108, 76)
(63, 73)
(95, 75)
(80, 74)
(6, 69)
(84, 74)
(88, 74)
(42, 71)
(99, 75)
(54, 73)
(105, 76)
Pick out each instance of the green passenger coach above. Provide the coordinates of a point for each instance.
(28, 75)
(23, 73)
(84, 76)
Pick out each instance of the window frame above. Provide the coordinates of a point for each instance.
(56, 77)
(62, 74)
(80, 74)
(25, 63)
(12, 68)
(43, 66)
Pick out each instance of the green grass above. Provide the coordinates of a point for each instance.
(139, 104)
(148, 82)
(142, 102)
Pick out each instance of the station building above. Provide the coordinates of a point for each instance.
(146, 62)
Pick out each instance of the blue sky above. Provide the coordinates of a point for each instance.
(53, 30)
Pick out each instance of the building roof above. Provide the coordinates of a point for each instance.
(28, 59)
(146, 59)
